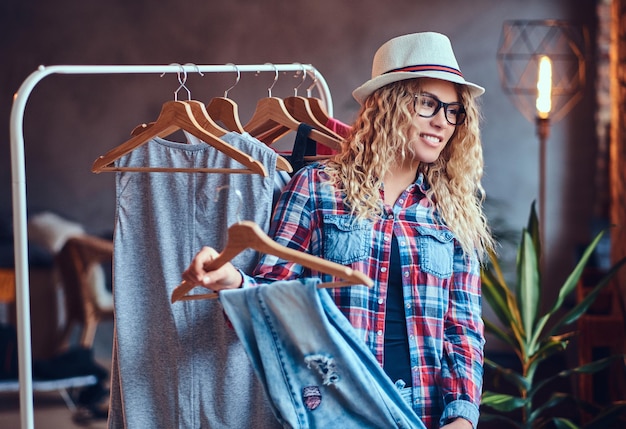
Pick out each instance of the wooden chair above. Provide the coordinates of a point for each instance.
(7, 285)
(71, 269)
(77, 259)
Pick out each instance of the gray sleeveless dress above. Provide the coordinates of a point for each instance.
(181, 365)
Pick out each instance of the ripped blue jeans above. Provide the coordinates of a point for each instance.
(316, 372)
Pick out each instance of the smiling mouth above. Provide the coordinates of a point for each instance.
(431, 138)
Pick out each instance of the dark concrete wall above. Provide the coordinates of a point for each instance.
(71, 120)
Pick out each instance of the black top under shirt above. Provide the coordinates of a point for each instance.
(397, 362)
(303, 146)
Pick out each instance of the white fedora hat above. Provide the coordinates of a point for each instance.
(411, 56)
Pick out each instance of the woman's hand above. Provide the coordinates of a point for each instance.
(458, 424)
(224, 277)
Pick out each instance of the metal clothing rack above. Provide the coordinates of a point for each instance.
(18, 181)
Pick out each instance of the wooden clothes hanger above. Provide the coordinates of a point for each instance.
(178, 115)
(225, 110)
(199, 113)
(270, 112)
(316, 104)
(271, 120)
(246, 234)
(206, 121)
(318, 110)
(300, 109)
(220, 108)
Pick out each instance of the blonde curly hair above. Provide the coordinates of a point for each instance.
(380, 135)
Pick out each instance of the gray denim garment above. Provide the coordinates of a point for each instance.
(315, 370)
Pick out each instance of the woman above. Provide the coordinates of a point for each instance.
(402, 203)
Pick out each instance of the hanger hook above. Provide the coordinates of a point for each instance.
(239, 197)
(196, 67)
(181, 81)
(310, 88)
(269, 90)
(236, 82)
(185, 80)
(295, 89)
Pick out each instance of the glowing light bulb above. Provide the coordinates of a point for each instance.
(544, 87)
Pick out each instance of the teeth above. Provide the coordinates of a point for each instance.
(431, 138)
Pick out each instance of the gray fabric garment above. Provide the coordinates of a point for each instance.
(180, 365)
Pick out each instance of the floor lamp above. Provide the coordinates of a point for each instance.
(542, 70)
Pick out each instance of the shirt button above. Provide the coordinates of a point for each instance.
(386, 238)
(379, 333)
(401, 200)
(406, 274)
(383, 270)
(408, 305)
(390, 216)
(402, 243)
(380, 301)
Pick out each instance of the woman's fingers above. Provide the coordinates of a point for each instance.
(224, 277)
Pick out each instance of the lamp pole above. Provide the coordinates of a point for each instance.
(543, 131)
(543, 97)
(543, 105)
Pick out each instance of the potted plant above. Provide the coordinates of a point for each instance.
(536, 336)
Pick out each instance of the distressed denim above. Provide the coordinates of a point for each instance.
(315, 370)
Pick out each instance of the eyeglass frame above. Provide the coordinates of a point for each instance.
(440, 104)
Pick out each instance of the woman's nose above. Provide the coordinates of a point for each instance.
(439, 119)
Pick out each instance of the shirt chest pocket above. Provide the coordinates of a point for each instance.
(345, 240)
(435, 251)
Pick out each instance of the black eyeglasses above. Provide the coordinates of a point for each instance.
(427, 106)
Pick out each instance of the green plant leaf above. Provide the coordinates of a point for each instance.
(548, 348)
(592, 367)
(561, 423)
(516, 325)
(541, 323)
(533, 230)
(495, 293)
(572, 280)
(566, 288)
(495, 267)
(588, 368)
(501, 402)
(500, 334)
(528, 287)
(490, 417)
(554, 400)
(515, 378)
(608, 416)
(582, 307)
(502, 302)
